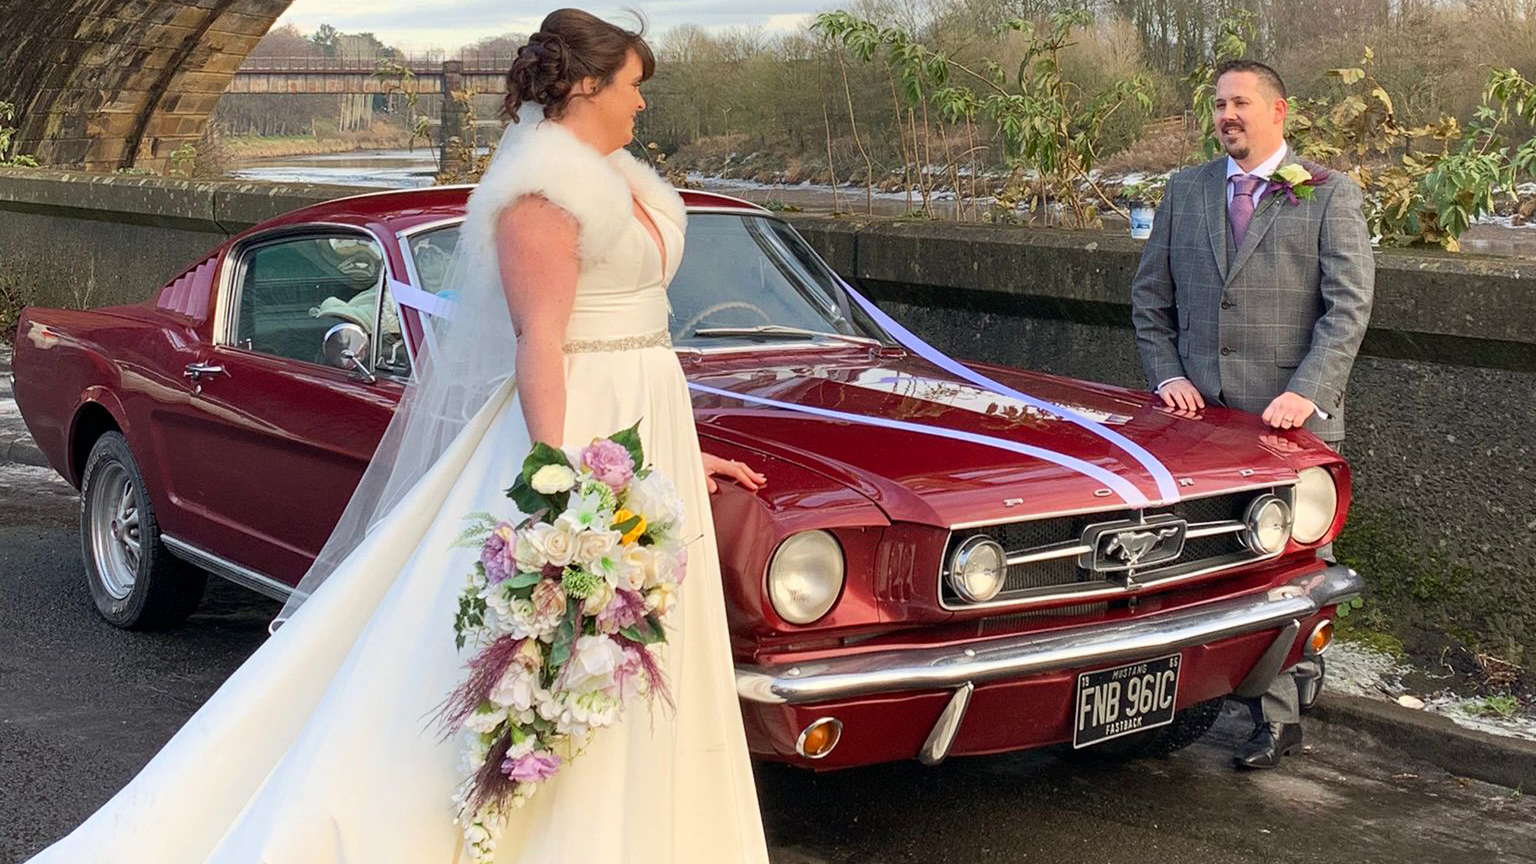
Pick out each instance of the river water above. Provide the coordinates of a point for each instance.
(407, 169)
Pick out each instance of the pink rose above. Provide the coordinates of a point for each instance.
(608, 462)
(531, 767)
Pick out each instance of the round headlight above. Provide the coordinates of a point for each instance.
(977, 568)
(1317, 502)
(1268, 523)
(805, 576)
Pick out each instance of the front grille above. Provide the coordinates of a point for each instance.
(1058, 545)
(992, 625)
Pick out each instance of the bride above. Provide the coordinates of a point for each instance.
(321, 748)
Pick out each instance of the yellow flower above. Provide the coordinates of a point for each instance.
(1293, 174)
(634, 533)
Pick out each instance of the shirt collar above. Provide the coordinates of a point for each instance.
(1264, 170)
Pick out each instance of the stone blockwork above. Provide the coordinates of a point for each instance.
(109, 84)
(1444, 523)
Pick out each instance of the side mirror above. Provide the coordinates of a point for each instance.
(346, 347)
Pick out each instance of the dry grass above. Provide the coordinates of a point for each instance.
(1161, 148)
(382, 136)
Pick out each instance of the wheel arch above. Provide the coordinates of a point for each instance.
(97, 414)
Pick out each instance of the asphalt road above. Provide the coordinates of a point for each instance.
(83, 706)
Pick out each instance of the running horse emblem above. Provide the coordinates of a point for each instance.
(1129, 547)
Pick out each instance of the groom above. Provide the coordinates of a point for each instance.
(1253, 292)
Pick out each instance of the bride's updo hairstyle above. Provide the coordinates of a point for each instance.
(570, 45)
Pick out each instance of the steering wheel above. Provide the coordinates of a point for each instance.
(693, 322)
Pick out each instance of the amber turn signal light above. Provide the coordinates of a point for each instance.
(1322, 637)
(819, 738)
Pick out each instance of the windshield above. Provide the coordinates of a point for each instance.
(744, 272)
(743, 279)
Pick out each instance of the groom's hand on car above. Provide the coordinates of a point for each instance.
(738, 471)
(1289, 411)
(1180, 395)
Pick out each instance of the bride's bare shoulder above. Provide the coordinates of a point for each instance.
(533, 219)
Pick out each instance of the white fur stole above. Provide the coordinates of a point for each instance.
(540, 157)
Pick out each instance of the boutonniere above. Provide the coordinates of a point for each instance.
(1296, 182)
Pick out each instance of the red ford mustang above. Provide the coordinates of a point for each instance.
(938, 567)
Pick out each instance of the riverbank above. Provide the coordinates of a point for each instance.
(381, 136)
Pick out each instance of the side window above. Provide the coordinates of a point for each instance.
(431, 251)
(292, 292)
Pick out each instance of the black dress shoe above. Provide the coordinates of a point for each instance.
(1269, 742)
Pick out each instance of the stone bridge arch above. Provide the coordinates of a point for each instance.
(109, 84)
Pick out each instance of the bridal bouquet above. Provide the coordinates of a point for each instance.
(562, 610)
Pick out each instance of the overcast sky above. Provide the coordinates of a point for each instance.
(419, 25)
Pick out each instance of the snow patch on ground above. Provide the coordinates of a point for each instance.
(1360, 670)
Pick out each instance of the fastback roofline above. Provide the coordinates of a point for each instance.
(692, 198)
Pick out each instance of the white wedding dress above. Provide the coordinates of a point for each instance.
(322, 748)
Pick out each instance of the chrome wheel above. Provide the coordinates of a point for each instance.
(116, 544)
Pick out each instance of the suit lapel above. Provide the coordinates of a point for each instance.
(1263, 219)
(1215, 186)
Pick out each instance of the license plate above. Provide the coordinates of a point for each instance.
(1125, 700)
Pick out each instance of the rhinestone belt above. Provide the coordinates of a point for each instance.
(659, 339)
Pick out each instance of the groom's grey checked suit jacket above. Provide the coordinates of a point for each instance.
(1285, 311)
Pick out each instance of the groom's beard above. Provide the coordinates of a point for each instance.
(1238, 149)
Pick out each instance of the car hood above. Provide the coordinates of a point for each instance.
(886, 426)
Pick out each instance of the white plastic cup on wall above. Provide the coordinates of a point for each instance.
(1141, 219)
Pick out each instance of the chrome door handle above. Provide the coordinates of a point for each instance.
(196, 370)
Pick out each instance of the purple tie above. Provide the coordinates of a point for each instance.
(1240, 208)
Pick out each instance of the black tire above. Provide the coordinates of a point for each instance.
(143, 590)
(1188, 726)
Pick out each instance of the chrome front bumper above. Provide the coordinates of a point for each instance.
(961, 668)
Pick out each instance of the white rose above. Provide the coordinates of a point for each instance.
(599, 599)
(517, 689)
(655, 498)
(557, 542)
(529, 554)
(552, 478)
(1293, 174)
(661, 599)
(592, 546)
(636, 565)
(594, 659)
(662, 569)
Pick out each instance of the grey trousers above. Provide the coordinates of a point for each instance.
(1281, 703)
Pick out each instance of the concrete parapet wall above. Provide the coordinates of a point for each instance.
(1440, 435)
(81, 239)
